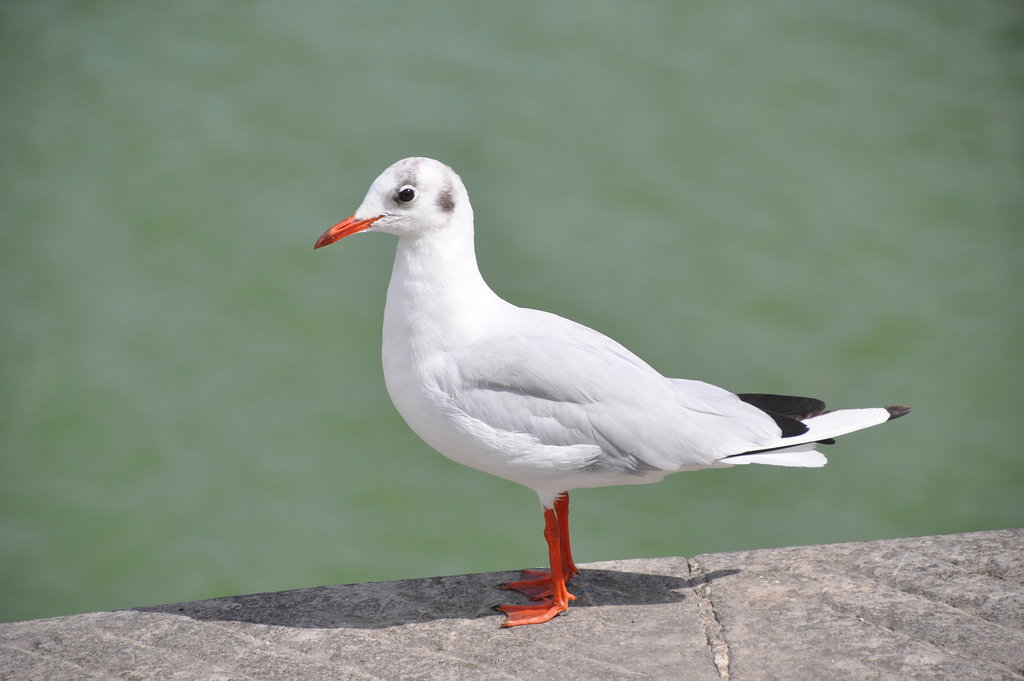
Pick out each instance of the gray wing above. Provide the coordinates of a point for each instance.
(569, 385)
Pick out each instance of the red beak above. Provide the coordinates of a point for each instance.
(343, 229)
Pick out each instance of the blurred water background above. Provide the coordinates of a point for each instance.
(818, 198)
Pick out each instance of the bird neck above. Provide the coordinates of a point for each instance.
(437, 295)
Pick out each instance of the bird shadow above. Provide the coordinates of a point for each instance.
(377, 605)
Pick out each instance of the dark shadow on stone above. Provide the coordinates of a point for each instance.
(375, 605)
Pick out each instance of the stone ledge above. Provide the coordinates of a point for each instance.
(944, 607)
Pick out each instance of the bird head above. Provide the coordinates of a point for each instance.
(413, 197)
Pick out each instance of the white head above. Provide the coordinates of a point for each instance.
(413, 197)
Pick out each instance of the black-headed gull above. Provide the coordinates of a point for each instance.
(544, 401)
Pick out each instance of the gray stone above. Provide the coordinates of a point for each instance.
(930, 608)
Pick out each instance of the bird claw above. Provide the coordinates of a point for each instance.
(530, 614)
(540, 586)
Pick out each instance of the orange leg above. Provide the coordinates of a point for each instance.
(537, 584)
(562, 511)
(548, 588)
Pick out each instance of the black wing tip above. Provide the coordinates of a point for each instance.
(896, 411)
(794, 407)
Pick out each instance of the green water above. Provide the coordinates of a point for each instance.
(821, 198)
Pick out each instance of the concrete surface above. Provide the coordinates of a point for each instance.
(946, 607)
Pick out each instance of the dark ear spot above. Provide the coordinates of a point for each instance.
(445, 200)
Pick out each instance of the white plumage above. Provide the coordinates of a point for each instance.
(541, 400)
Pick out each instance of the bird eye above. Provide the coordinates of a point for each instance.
(406, 194)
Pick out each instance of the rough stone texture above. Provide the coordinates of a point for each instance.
(948, 607)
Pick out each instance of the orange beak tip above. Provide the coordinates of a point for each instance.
(325, 239)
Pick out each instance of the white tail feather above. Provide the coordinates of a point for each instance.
(800, 456)
(799, 451)
(836, 423)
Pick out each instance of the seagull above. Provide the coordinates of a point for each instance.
(541, 400)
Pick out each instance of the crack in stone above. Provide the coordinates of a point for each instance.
(713, 630)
